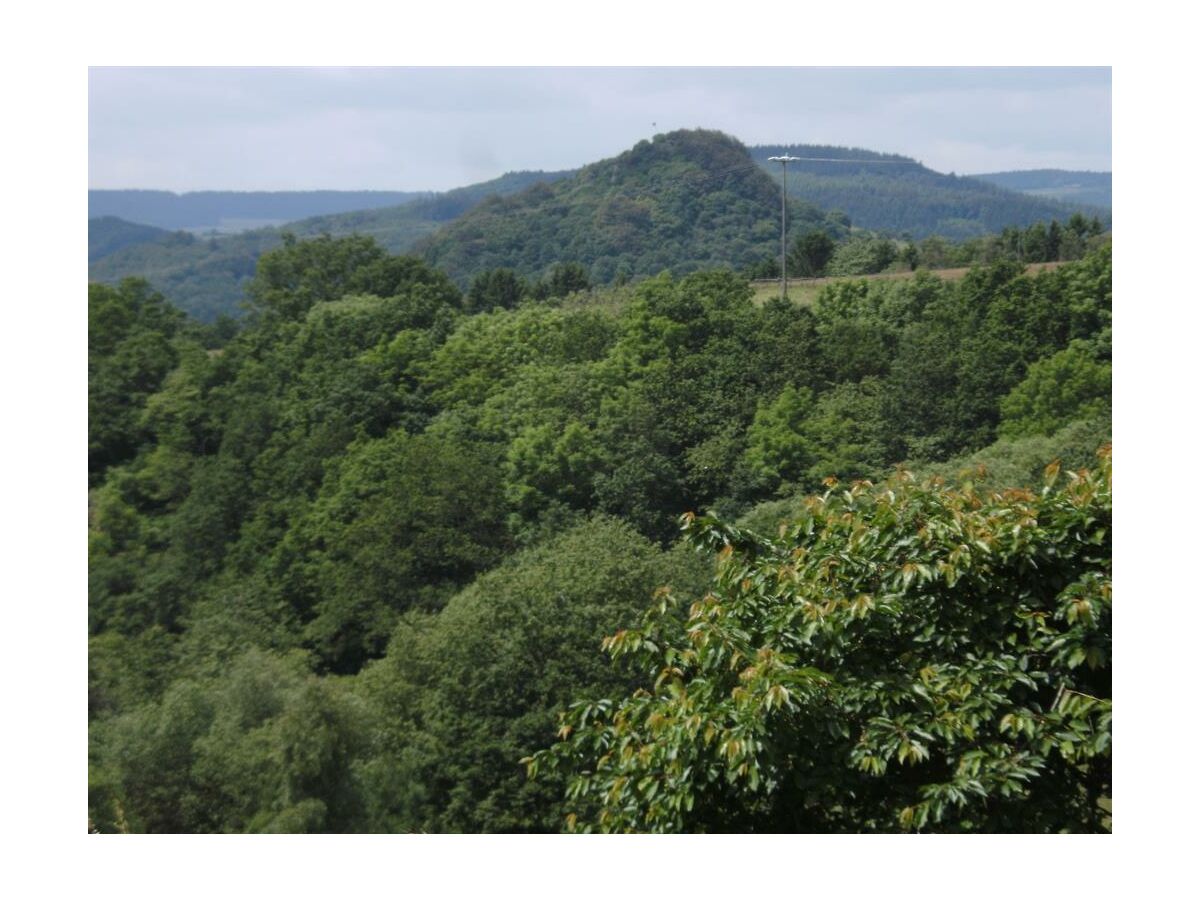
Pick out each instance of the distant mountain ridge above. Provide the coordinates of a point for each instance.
(1064, 185)
(200, 210)
(898, 195)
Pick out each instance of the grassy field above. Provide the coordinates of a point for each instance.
(803, 291)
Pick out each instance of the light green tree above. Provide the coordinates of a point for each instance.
(777, 448)
(902, 657)
(1061, 388)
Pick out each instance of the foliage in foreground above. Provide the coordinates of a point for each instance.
(904, 657)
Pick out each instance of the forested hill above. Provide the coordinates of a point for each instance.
(1057, 184)
(397, 228)
(685, 201)
(108, 234)
(206, 276)
(898, 195)
(234, 210)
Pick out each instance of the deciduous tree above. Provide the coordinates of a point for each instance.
(903, 657)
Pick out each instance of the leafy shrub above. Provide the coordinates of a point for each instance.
(909, 657)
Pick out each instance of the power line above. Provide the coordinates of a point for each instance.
(893, 162)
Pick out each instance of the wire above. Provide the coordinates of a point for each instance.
(872, 162)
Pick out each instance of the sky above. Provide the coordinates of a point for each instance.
(186, 129)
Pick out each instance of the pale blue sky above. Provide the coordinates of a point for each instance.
(439, 128)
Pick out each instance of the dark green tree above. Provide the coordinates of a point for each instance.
(811, 254)
(495, 289)
(400, 523)
(845, 433)
(567, 278)
(130, 352)
(1035, 243)
(1054, 238)
(462, 696)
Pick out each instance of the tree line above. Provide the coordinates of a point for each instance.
(815, 252)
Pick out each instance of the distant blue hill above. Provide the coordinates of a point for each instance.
(1094, 188)
(231, 211)
(897, 195)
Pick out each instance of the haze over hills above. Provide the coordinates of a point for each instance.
(1094, 188)
(896, 194)
(232, 211)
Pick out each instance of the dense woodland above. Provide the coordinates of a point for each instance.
(353, 557)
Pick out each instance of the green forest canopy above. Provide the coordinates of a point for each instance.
(348, 564)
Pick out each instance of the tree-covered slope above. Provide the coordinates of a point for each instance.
(398, 228)
(895, 194)
(108, 234)
(206, 276)
(685, 201)
(1094, 188)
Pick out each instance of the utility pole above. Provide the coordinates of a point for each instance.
(783, 221)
